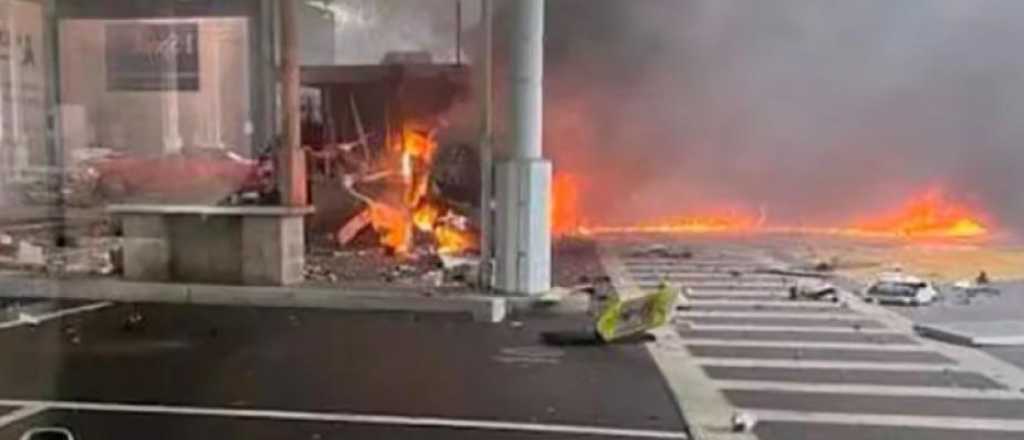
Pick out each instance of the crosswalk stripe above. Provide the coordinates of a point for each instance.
(955, 423)
(796, 305)
(858, 346)
(838, 328)
(796, 317)
(824, 365)
(879, 390)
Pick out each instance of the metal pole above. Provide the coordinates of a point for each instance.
(486, 95)
(291, 166)
(526, 98)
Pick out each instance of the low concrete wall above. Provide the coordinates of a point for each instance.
(482, 308)
(253, 246)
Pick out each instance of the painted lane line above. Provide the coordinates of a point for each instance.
(838, 328)
(39, 319)
(825, 365)
(21, 414)
(795, 305)
(856, 346)
(366, 419)
(944, 422)
(877, 390)
(837, 317)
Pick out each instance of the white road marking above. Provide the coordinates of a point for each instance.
(825, 365)
(796, 317)
(876, 390)
(714, 293)
(901, 421)
(20, 414)
(754, 303)
(39, 319)
(838, 327)
(366, 419)
(856, 346)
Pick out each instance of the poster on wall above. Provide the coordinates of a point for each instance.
(152, 56)
(22, 85)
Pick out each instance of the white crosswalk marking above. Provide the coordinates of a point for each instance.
(858, 346)
(878, 390)
(944, 422)
(752, 307)
(838, 327)
(826, 365)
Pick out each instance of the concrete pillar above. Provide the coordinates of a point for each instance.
(291, 160)
(523, 182)
(526, 100)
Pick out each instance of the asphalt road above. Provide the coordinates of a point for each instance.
(322, 371)
(818, 370)
(953, 306)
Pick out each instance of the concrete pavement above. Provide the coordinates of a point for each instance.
(190, 371)
(813, 370)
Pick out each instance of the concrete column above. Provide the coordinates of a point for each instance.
(523, 183)
(526, 101)
(292, 161)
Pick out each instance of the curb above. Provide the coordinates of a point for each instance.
(483, 308)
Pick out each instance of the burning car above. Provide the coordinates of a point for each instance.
(900, 289)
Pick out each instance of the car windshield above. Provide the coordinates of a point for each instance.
(511, 219)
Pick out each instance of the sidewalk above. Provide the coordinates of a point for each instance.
(483, 308)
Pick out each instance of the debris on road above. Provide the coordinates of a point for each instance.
(743, 422)
(30, 254)
(662, 251)
(898, 288)
(813, 290)
(29, 319)
(615, 318)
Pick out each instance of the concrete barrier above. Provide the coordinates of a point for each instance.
(482, 308)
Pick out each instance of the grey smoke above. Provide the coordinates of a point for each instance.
(815, 110)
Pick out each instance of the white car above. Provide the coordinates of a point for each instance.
(901, 289)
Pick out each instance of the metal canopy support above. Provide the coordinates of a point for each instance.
(523, 239)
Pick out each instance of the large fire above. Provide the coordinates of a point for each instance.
(565, 204)
(930, 215)
(927, 216)
(411, 157)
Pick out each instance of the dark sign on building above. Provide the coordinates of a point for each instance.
(152, 56)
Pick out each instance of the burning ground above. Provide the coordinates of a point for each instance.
(871, 117)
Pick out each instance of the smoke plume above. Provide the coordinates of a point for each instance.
(811, 110)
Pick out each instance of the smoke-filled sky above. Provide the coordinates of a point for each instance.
(816, 110)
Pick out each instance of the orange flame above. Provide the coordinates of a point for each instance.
(929, 215)
(452, 240)
(412, 157)
(687, 224)
(392, 225)
(565, 203)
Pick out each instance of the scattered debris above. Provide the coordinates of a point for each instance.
(900, 289)
(28, 319)
(434, 278)
(353, 227)
(795, 273)
(30, 254)
(813, 290)
(743, 421)
(662, 251)
(133, 322)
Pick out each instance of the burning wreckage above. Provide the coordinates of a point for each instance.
(395, 195)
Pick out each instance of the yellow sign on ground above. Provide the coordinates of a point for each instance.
(625, 317)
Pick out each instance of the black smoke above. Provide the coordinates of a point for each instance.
(814, 110)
